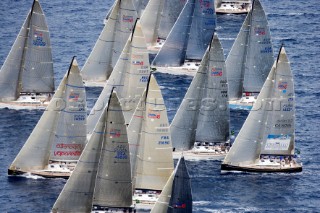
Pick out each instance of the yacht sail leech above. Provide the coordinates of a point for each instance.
(150, 146)
(107, 50)
(250, 59)
(129, 78)
(101, 180)
(265, 143)
(176, 196)
(26, 77)
(55, 144)
(188, 39)
(200, 128)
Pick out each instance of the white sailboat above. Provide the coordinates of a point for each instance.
(129, 78)
(200, 128)
(108, 48)
(188, 39)
(157, 20)
(232, 6)
(176, 195)
(55, 144)
(101, 181)
(26, 77)
(266, 140)
(250, 59)
(150, 147)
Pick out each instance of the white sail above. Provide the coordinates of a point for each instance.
(111, 41)
(251, 55)
(29, 66)
(130, 77)
(150, 21)
(154, 157)
(190, 35)
(59, 133)
(269, 128)
(169, 15)
(97, 179)
(140, 6)
(203, 114)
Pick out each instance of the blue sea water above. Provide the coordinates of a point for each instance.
(75, 26)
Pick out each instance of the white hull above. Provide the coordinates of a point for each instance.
(243, 103)
(233, 8)
(194, 156)
(188, 68)
(28, 102)
(95, 83)
(145, 200)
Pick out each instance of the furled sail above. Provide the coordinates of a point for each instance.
(154, 162)
(176, 196)
(269, 128)
(59, 134)
(102, 176)
(130, 77)
(169, 15)
(150, 21)
(111, 41)
(251, 55)
(29, 66)
(204, 114)
(190, 35)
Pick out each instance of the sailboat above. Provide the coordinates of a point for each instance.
(129, 78)
(55, 144)
(107, 50)
(188, 39)
(101, 181)
(233, 6)
(266, 140)
(157, 20)
(26, 77)
(250, 59)
(200, 128)
(150, 147)
(176, 196)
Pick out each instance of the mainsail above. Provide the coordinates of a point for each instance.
(269, 128)
(190, 35)
(102, 176)
(176, 196)
(107, 50)
(130, 77)
(29, 68)
(60, 134)
(204, 114)
(251, 55)
(150, 144)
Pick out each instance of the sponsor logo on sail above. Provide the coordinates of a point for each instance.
(282, 85)
(115, 133)
(127, 18)
(259, 31)
(74, 96)
(217, 72)
(287, 107)
(38, 39)
(137, 63)
(153, 114)
(278, 142)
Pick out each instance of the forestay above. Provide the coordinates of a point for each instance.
(102, 175)
(204, 114)
(251, 55)
(60, 132)
(29, 66)
(130, 77)
(111, 41)
(269, 128)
